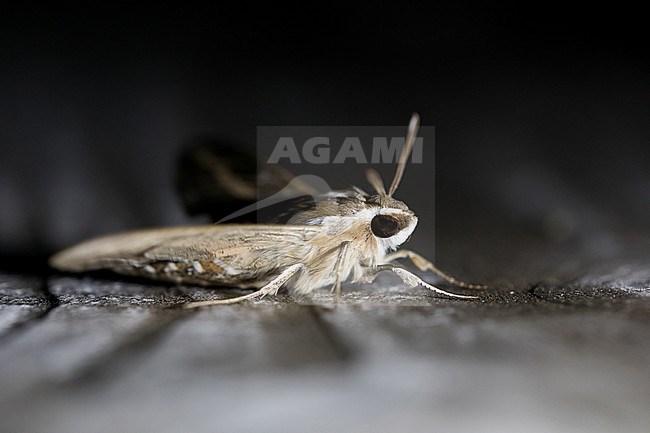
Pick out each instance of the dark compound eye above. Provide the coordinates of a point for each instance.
(384, 226)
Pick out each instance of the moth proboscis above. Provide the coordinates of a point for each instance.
(346, 234)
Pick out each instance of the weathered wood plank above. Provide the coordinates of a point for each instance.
(22, 298)
(102, 341)
(568, 352)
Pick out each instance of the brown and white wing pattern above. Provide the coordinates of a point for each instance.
(229, 254)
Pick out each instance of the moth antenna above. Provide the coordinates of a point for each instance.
(374, 179)
(411, 135)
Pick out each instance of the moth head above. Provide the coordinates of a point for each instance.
(389, 220)
(393, 221)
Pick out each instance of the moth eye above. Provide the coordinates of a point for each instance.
(384, 226)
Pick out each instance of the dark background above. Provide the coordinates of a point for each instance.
(541, 113)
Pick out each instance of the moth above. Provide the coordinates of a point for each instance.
(342, 235)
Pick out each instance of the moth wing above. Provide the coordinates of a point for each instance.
(193, 243)
(239, 243)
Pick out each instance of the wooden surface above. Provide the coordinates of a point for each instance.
(555, 345)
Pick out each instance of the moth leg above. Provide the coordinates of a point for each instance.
(340, 259)
(426, 265)
(410, 279)
(271, 287)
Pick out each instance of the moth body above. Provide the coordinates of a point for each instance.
(333, 237)
(248, 256)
